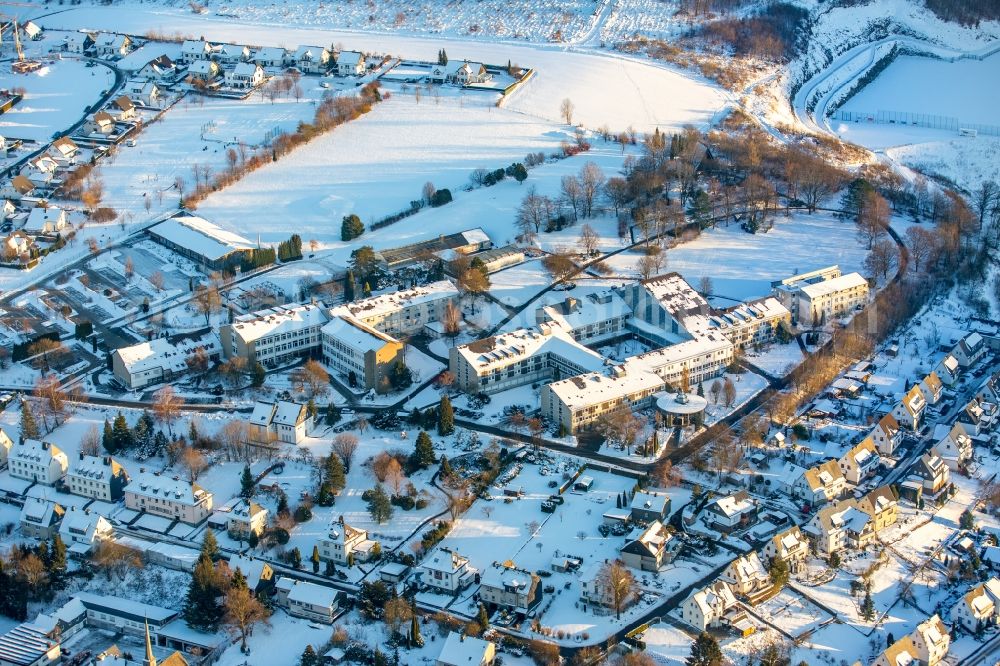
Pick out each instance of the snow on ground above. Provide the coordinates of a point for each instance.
(965, 161)
(667, 644)
(959, 89)
(742, 265)
(55, 97)
(777, 359)
(605, 88)
(519, 284)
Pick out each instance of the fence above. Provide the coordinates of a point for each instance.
(916, 120)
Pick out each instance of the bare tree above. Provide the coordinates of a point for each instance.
(616, 191)
(558, 264)
(705, 286)
(572, 195)
(90, 445)
(617, 579)
(194, 463)
(166, 407)
(591, 183)
(650, 263)
(589, 239)
(313, 377)
(451, 320)
(566, 109)
(156, 279)
(881, 258)
(207, 301)
(345, 445)
(873, 217)
(243, 612)
(428, 191)
(729, 392)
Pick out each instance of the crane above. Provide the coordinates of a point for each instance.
(21, 65)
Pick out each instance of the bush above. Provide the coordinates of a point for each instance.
(303, 514)
(403, 502)
(280, 535)
(441, 197)
(801, 432)
(421, 504)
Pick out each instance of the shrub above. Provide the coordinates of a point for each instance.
(303, 514)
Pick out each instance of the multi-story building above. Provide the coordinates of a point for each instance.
(852, 523)
(162, 359)
(975, 611)
(40, 518)
(346, 545)
(708, 608)
(747, 576)
(244, 518)
(933, 472)
(954, 445)
(509, 587)
(170, 497)
(6, 444)
(447, 571)
(100, 477)
(931, 387)
(887, 435)
(37, 461)
(789, 546)
(860, 462)
(593, 318)
(731, 512)
(359, 352)
(649, 506)
(910, 410)
(970, 350)
(81, 530)
(275, 336)
(932, 640)
(820, 484)
(815, 298)
(650, 548)
(282, 421)
(404, 312)
(308, 600)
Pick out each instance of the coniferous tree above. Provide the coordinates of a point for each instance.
(366, 290)
(121, 433)
(315, 559)
(202, 609)
(705, 651)
(247, 484)
(483, 618)
(210, 545)
(108, 438)
(415, 638)
(29, 427)
(295, 558)
(57, 559)
(349, 287)
(868, 607)
(309, 657)
(446, 470)
(423, 451)
(283, 505)
(238, 580)
(446, 417)
(351, 227)
(379, 505)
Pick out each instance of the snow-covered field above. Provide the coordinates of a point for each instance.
(55, 97)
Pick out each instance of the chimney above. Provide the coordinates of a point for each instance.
(107, 460)
(45, 446)
(81, 455)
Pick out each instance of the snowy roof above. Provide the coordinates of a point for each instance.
(650, 541)
(577, 313)
(508, 348)
(84, 523)
(650, 501)
(594, 387)
(309, 52)
(232, 50)
(349, 58)
(251, 568)
(386, 304)
(98, 468)
(201, 236)
(289, 413)
(263, 413)
(748, 567)
(902, 653)
(676, 296)
(127, 608)
(315, 595)
(194, 46)
(269, 53)
(25, 644)
(735, 504)
(822, 476)
(170, 488)
(357, 335)
(203, 67)
(167, 353)
(40, 218)
(35, 452)
(461, 650)
(39, 511)
(245, 511)
(833, 285)
(245, 69)
(445, 560)
(109, 40)
(277, 320)
(509, 578)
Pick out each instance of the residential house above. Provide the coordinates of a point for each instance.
(144, 93)
(65, 149)
(346, 545)
(40, 518)
(82, 530)
(954, 445)
(650, 548)
(447, 571)
(931, 639)
(975, 611)
(232, 54)
(708, 607)
(979, 416)
(309, 600)
(5, 446)
(350, 63)
(820, 484)
(887, 435)
(860, 462)
(270, 57)
(732, 512)
(18, 187)
(910, 410)
(470, 73)
(193, 50)
(37, 461)
(312, 59)
(948, 370)
(245, 76)
(596, 593)
(123, 108)
(99, 477)
(112, 46)
(41, 170)
(102, 123)
(933, 472)
(506, 586)
(901, 653)
(747, 577)
(47, 221)
(970, 350)
(462, 650)
(649, 506)
(852, 523)
(170, 497)
(18, 247)
(7, 210)
(78, 42)
(789, 546)
(283, 421)
(932, 387)
(258, 573)
(246, 517)
(32, 30)
(883, 507)
(203, 72)
(159, 70)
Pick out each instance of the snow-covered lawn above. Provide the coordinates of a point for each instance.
(667, 644)
(56, 96)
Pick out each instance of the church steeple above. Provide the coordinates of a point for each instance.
(150, 657)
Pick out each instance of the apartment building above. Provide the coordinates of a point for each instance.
(590, 319)
(170, 497)
(162, 359)
(275, 336)
(404, 312)
(100, 477)
(817, 297)
(852, 523)
(37, 461)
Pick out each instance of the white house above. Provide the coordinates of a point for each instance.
(747, 576)
(112, 46)
(312, 59)
(350, 63)
(78, 42)
(820, 484)
(102, 123)
(932, 640)
(730, 512)
(948, 370)
(910, 410)
(860, 462)
(232, 54)
(5, 446)
(160, 69)
(887, 435)
(146, 93)
(100, 477)
(81, 530)
(931, 387)
(969, 350)
(283, 420)
(346, 545)
(470, 73)
(193, 50)
(37, 461)
(975, 611)
(707, 608)
(954, 445)
(244, 518)
(789, 546)
(309, 600)
(167, 496)
(648, 549)
(203, 72)
(45, 221)
(270, 57)
(507, 586)
(447, 571)
(245, 76)
(933, 472)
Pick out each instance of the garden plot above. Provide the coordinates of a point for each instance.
(793, 613)
(605, 88)
(56, 97)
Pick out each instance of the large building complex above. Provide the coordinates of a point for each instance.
(275, 336)
(818, 296)
(201, 241)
